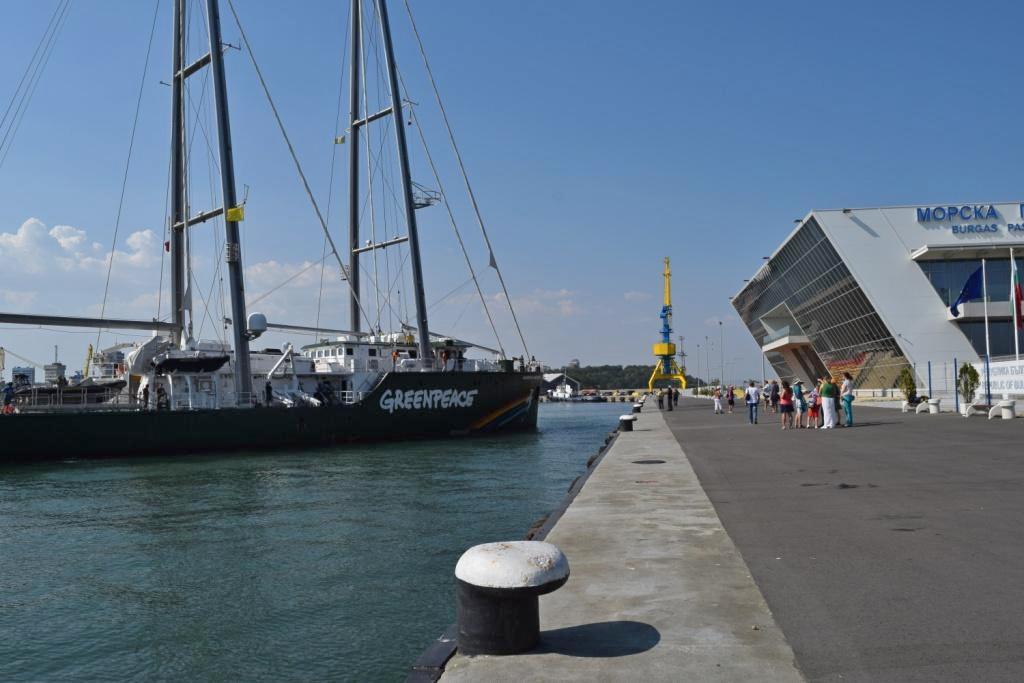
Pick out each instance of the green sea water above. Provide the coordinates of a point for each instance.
(290, 566)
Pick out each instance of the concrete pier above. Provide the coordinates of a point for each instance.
(658, 591)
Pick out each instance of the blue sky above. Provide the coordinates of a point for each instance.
(600, 137)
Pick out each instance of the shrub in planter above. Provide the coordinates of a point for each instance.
(907, 384)
(967, 382)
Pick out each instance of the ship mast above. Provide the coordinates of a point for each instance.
(230, 210)
(232, 213)
(356, 121)
(353, 166)
(178, 175)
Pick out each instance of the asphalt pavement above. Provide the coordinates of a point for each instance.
(889, 551)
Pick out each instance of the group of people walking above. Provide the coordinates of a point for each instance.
(669, 396)
(798, 408)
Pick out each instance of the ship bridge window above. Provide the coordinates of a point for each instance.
(373, 352)
(348, 351)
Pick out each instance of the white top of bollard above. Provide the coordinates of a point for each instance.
(512, 564)
(631, 418)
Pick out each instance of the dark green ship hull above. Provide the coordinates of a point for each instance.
(402, 406)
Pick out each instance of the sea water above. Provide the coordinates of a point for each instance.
(290, 566)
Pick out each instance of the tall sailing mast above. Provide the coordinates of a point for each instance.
(179, 192)
(356, 121)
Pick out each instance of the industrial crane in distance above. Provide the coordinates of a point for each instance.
(665, 350)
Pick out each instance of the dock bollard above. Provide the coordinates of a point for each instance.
(637, 407)
(626, 422)
(497, 589)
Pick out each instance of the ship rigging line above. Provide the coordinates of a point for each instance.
(36, 75)
(57, 11)
(334, 156)
(127, 166)
(291, 149)
(263, 296)
(458, 235)
(465, 175)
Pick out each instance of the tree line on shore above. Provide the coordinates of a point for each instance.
(617, 376)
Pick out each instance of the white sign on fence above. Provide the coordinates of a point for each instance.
(1007, 377)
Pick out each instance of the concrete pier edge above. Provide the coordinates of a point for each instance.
(430, 665)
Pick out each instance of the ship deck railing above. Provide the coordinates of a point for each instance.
(74, 399)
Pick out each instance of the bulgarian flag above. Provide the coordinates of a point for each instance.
(1017, 293)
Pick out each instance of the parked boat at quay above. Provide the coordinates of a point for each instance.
(175, 393)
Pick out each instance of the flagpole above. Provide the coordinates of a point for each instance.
(988, 348)
(1013, 305)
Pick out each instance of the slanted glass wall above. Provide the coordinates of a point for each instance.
(845, 332)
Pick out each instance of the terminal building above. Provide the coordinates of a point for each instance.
(868, 291)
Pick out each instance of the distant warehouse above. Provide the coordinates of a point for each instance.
(868, 291)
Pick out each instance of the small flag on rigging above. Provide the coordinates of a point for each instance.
(492, 263)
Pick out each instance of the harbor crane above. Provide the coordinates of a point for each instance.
(665, 350)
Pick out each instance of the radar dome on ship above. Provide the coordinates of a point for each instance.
(256, 324)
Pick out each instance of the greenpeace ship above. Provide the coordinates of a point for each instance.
(174, 394)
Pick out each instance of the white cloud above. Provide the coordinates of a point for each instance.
(143, 252)
(545, 302)
(32, 249)
(68, 237)
(633, 295)
(25, 250)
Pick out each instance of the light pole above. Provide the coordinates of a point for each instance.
(699, 369)
(707, 358)
(721, 352)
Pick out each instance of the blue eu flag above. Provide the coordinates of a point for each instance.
(972, 290)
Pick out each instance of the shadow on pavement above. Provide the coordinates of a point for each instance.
(601, 639)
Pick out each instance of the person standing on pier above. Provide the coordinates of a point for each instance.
(846, 394)
(786, 405)
(718, 401)
(661, 399)
(753, 399)
(774, 395)
(798, 403)
(828, 402)
(732, 398)
(813, 406)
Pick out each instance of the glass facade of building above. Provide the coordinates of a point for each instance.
(808, 283)
(949, 277)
